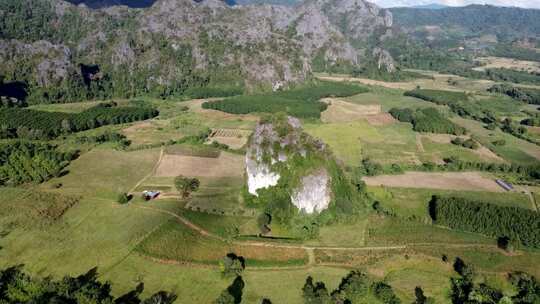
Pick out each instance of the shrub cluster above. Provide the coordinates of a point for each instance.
(427, 120)
(463, 214)
(466, 143)
(24, 162)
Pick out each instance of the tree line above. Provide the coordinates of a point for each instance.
(518, 224)
(34, 124)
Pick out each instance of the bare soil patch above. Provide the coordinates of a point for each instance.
(234, 138)
(227, 164)
(342, 111)
(473, 181)
(507, 63)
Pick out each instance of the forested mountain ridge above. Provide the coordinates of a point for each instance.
(66, 52)
(505, 23)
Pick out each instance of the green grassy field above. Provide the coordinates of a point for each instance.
(346, 145)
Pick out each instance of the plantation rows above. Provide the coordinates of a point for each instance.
(427, 120)
(24, 162)
(518, 224)
(34, 124)
(301, 102)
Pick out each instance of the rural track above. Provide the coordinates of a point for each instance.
(152, 172)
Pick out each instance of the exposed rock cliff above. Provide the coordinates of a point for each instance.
(178, 42)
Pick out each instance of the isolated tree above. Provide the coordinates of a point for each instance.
(123, 198)
(233, 293)
(232, 265)
(186, 185)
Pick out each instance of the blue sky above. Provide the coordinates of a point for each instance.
(519, 3)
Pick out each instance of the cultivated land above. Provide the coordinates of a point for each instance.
(447, 180)
(174, 243)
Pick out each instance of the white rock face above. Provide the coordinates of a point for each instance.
(314, 193)
(259, 176)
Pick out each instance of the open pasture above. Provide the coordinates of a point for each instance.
(436, 180)
(225, 165)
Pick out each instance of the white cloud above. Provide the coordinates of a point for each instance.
(518, 3)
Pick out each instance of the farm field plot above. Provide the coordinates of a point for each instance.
(436, 180)
(216, 195)
(234, 138)
(225, 165)
(438, 81)
(437, 147)
(74, 107)
(156, 131)
(395, 143)
(389, 99)
(344, 138)
(413, 202)
(515, 149)
(105, 172)
(385, 231)
(507, 63)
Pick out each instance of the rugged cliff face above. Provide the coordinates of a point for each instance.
(178, 43)
(279, 149)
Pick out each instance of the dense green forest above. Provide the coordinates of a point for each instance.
(300, 102)
(427, 120)
(518, 224)
(25, 162)
(33, 124)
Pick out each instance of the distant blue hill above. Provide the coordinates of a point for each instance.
(434, 6)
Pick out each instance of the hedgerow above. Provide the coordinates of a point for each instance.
(438, 96)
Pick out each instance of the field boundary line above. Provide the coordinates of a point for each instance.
(152, 172)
